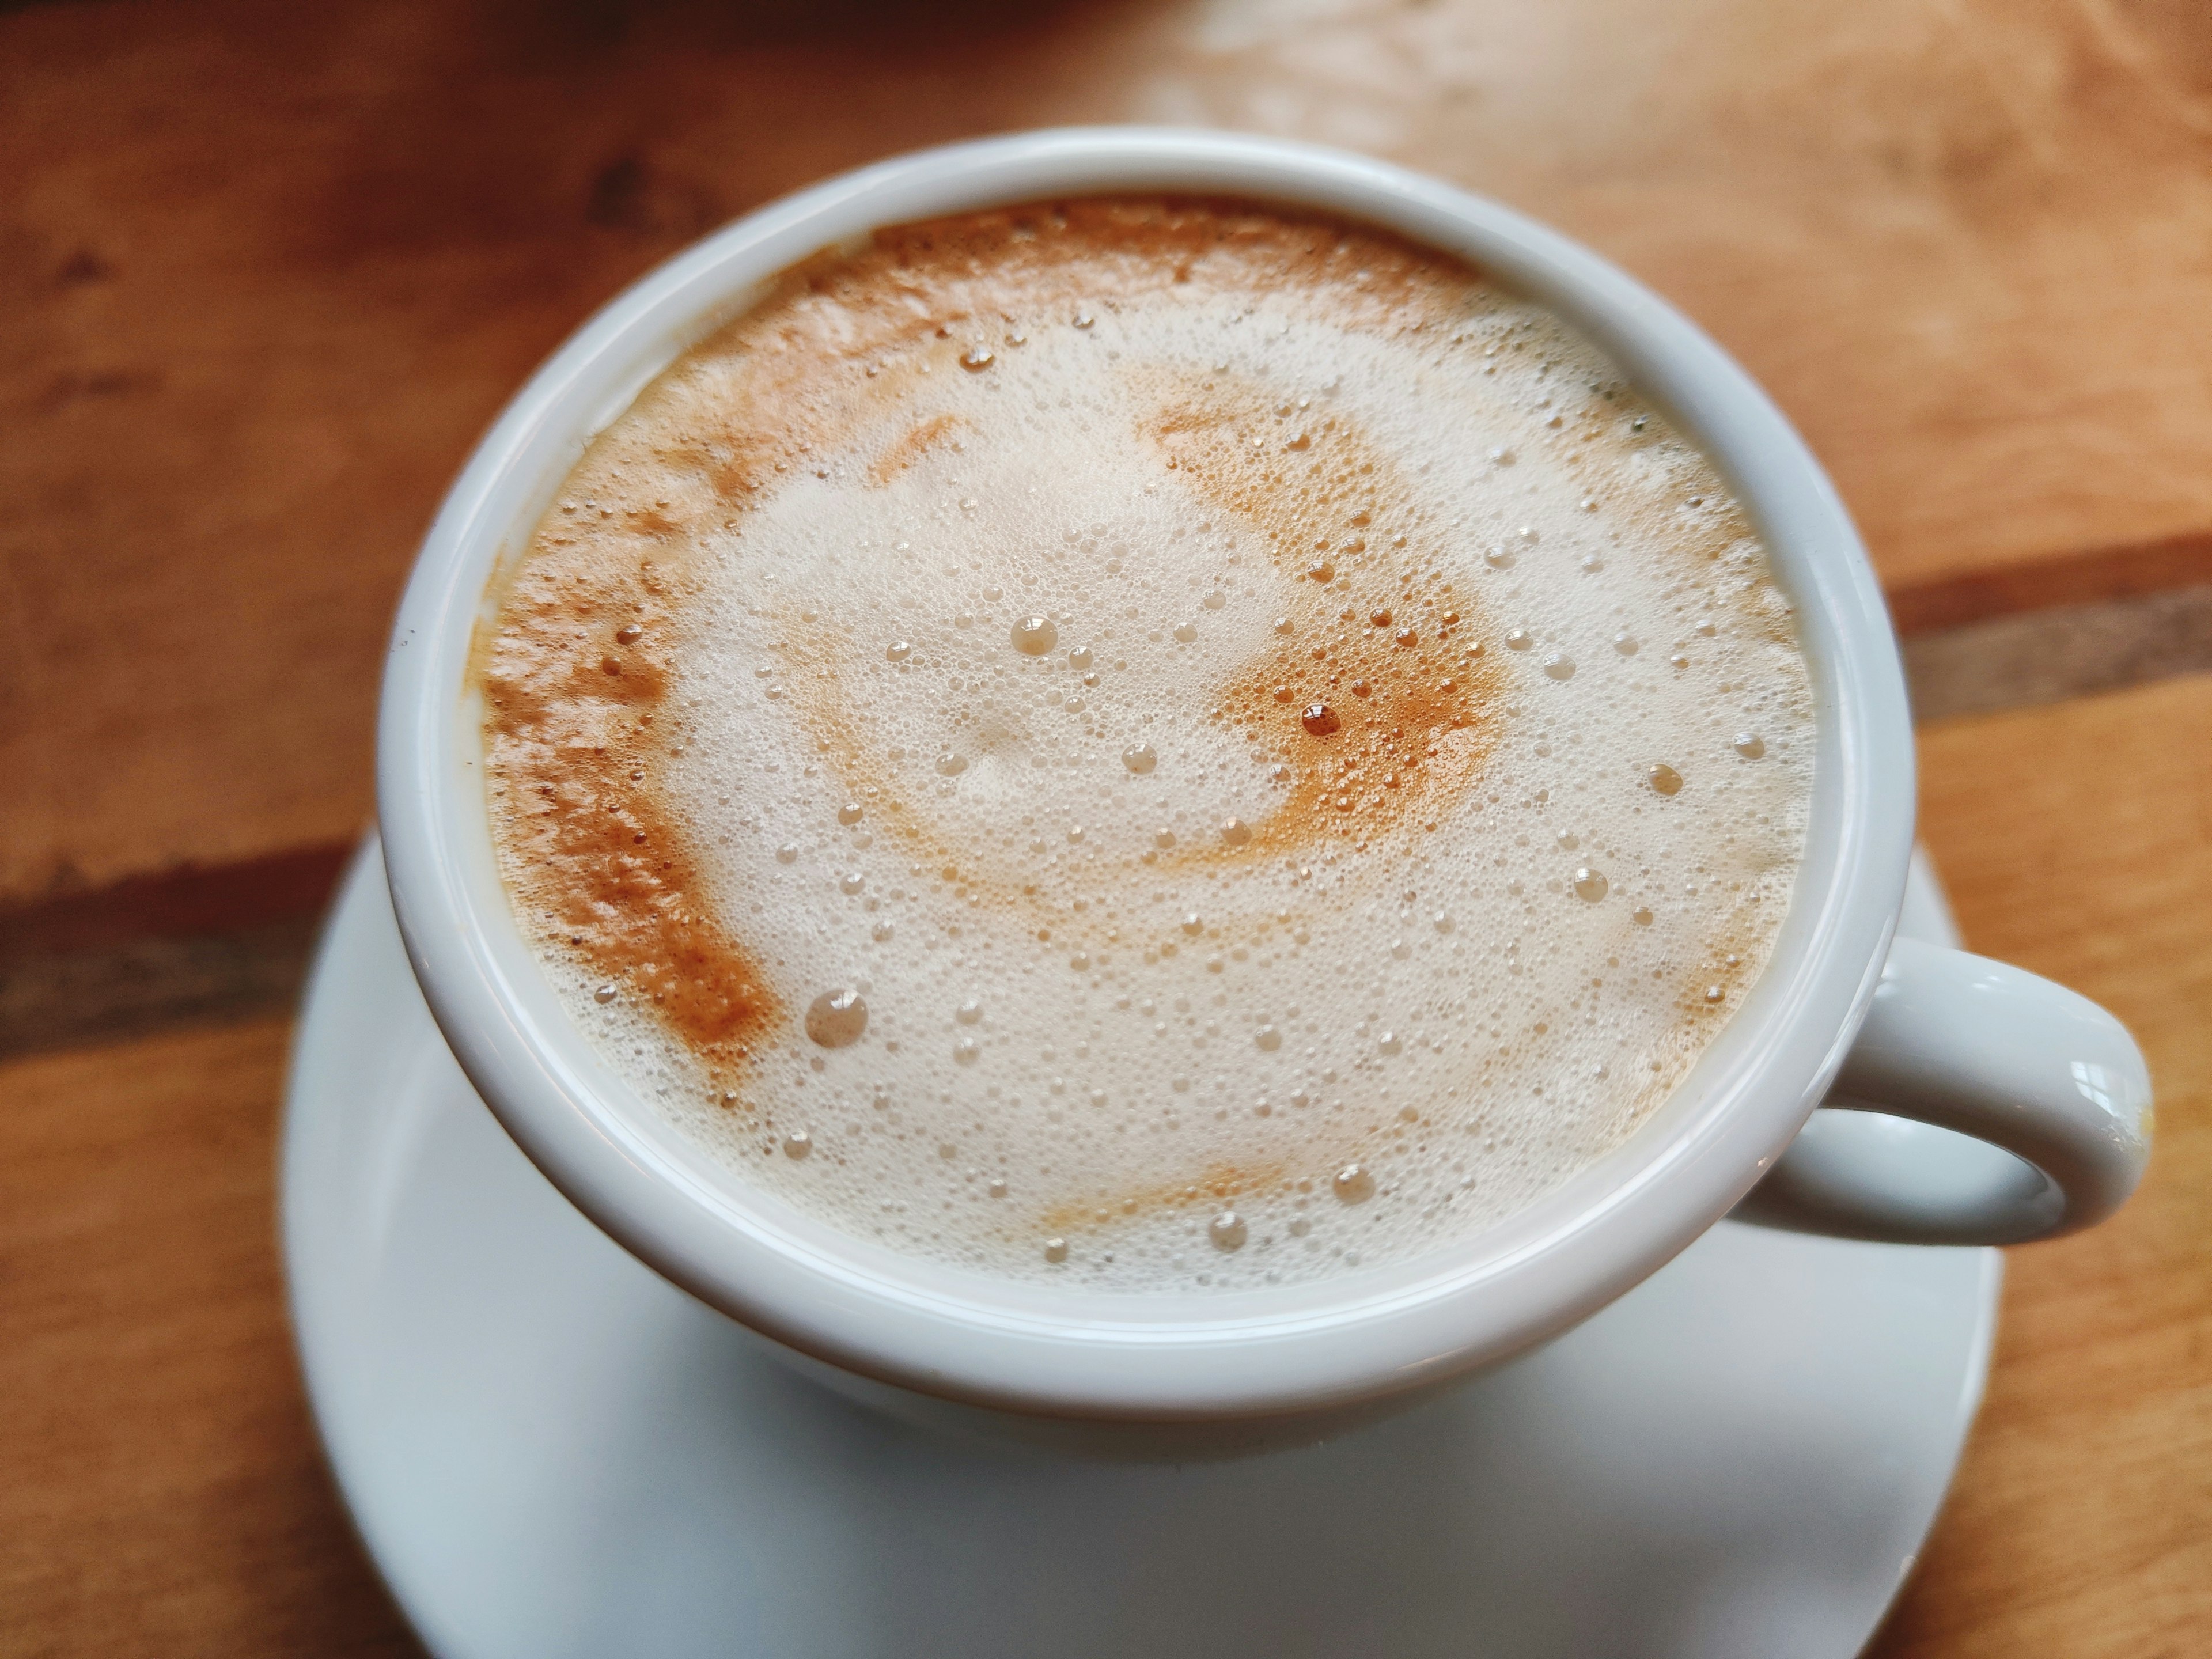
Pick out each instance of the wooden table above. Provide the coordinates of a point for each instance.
(267, 270)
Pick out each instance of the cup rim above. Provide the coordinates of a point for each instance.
(954, 1333)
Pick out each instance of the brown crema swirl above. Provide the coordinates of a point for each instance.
(573, 674)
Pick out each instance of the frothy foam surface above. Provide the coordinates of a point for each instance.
(1148, 744)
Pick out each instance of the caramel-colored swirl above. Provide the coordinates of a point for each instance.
(573, 685)
(1367, 682)
(603, 867)
(1213, 1185)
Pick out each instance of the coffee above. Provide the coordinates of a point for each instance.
(1149, 742)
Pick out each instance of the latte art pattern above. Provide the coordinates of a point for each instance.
(1148, 744)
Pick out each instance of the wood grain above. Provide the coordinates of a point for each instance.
(191, 943)
(2011, 661)
(2090, 576)
(269, 269)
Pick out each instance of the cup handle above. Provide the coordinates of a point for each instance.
(2050, 1089)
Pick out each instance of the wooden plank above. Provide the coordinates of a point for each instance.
(269, 269)
(2077, 841)
(162, 1491)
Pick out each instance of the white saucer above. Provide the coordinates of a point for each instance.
(551, 1450)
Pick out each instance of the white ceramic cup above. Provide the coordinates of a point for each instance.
(1908, 1030)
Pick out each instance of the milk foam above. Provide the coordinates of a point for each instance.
(1162, 989)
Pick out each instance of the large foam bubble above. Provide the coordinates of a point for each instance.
(1290, 775)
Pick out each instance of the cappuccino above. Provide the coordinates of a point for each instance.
(1149, 742)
